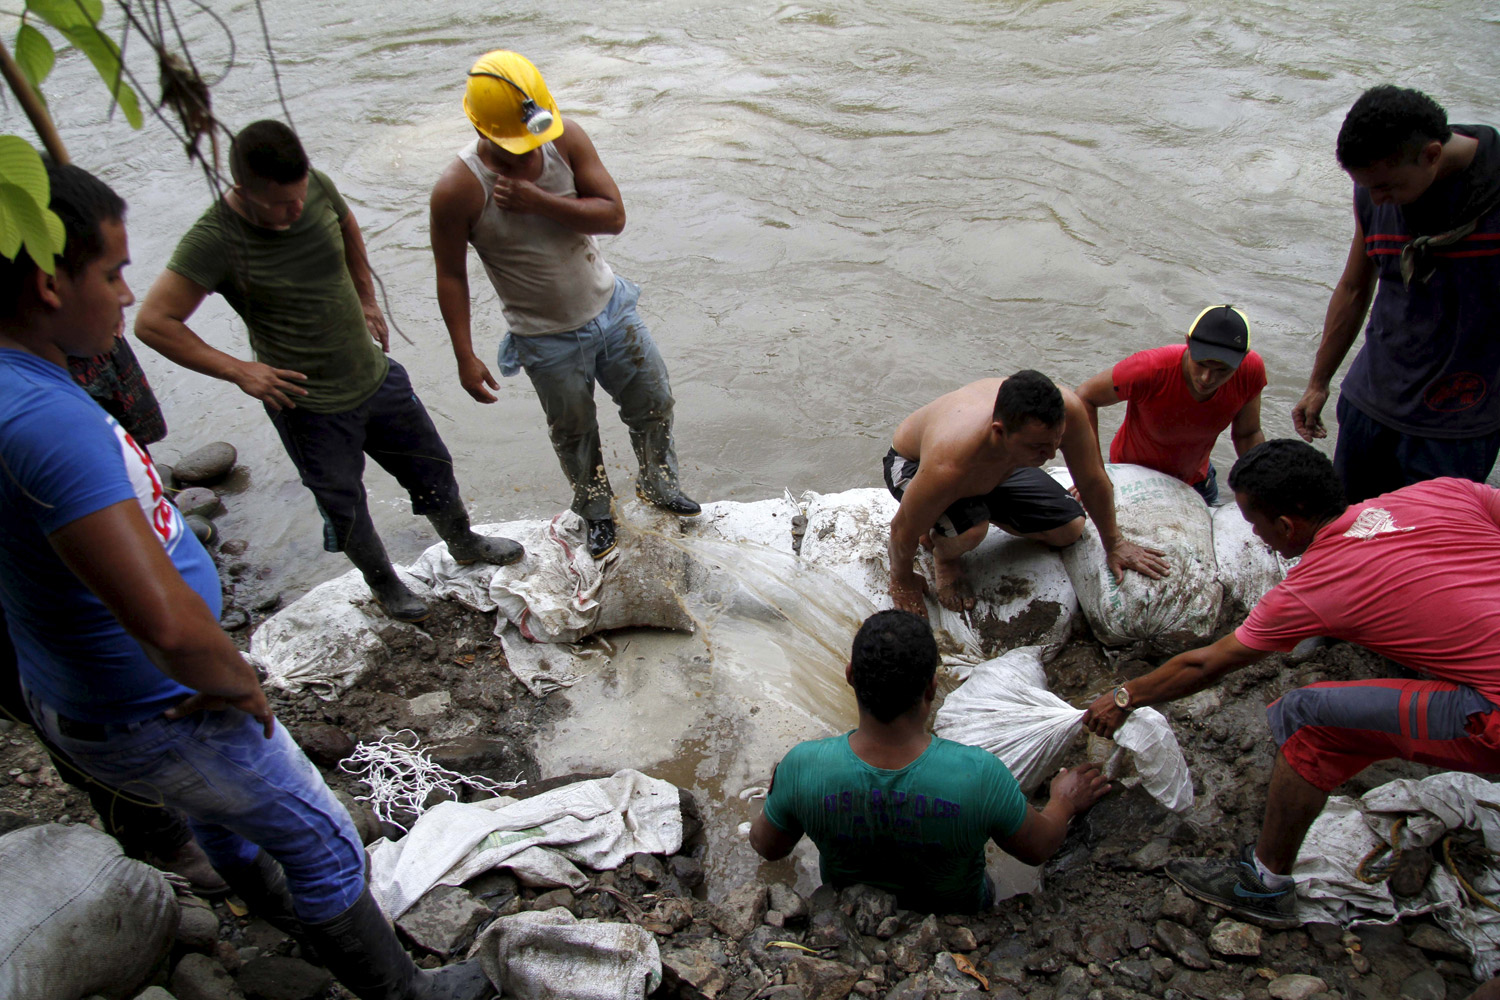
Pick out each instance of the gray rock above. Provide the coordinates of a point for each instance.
(1073, 983)
(1232, 938)
(867, 905)
(165, 473)
(444, 920)
(740, 912)
(277, 978)
(263, 605)
(325, 744)
(1430, 938)
(234, 547)
(888, 928)
(1182, 944)
(1296, 987)
(207, 465)
(910, 951)
(960, 939)
(233, 619)
(198, 500)
(698, 966)
(203, 528)
(1179, 906)
(431, 703)
(785, 900)
(647, 868)
(556, 898)
(1133, 972)
(821, 979)
(366, 823)
(197, 925)
(1155, 854)
(689, 871)
(1425, 985)
(198, 977)
(154, 993)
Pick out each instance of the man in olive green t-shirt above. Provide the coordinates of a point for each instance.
(893, 806)
(284, 250)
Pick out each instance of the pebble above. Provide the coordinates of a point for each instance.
(1424, 985)
(1183, 944)
(200, 501)
(165, 474)
(203, 528)
(234, 547)
(1179, 906)
(154, 993)
(1296, 987)
(277, 978)
(1232, 938)
(197, 927)
(233, 619)
(1430, 938)
(207, 465)
(198, 977)
(431, 703)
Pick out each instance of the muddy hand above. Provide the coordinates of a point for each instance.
(1080, 787)
(911, 598)
(1146, 561)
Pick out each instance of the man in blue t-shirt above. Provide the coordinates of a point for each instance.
(892, 806)
(113, 608)
(1422, 398)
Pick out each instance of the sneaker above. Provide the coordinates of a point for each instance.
(1235, 885)
(601, 537)
(676, 502)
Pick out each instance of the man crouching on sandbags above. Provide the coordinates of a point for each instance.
(893, 806)
(113, 606)
(973, 458)
(1409, 575)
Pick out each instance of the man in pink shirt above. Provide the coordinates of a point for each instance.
(1409, 575)
(1179, 399)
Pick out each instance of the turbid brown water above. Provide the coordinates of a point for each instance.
(837, 210)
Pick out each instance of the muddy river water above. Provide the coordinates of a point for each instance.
(837, 210)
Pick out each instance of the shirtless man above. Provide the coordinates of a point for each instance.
(973, 458)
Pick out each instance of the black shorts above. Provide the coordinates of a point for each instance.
(1030, 501)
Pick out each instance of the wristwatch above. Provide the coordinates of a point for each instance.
(1122, 698)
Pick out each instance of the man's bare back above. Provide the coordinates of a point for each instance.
(954, 431)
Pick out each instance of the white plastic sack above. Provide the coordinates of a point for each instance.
(530, 955)
(1247, 566)
(1022, 593)
(596, 823)
(79, 917)
(1349, 829)
(1160, 512)
(1005, 708)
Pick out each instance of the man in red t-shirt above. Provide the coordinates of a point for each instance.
(1409, 575)
(1178, 400)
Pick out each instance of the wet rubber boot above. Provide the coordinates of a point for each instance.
(467, 546)
(367, 553)
(262, 886)
(363, 953)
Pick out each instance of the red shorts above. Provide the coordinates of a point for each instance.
(1330, 732)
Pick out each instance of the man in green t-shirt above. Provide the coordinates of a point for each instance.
(284, 250)
(892, 806)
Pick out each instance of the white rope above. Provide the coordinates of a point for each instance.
(401, 776)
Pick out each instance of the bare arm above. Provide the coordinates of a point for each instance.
(1042, 831)
(929, 493)
(1182, 675)
(1346, 313)
(456, 203)
(1096, 393)
(1080, 449)
(1245, 431)
(770, 841)
(162, 325)
(358, 263)
(117, 556)
(598, 208)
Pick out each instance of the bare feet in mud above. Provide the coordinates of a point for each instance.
(953, 590)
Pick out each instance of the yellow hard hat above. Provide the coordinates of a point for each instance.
(509, 103)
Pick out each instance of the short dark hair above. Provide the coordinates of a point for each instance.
(1028, 395)
(1387, 122)
(267, 151)
(895, 657)
(84, 203)
(1287, 477)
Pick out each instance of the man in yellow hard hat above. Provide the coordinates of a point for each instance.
(530, 194)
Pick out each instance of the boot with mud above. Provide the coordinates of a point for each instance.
(467, 546)
(673, 501)
(367, 553)
(363, 953)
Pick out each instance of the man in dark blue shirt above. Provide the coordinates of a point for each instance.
(1421, 398)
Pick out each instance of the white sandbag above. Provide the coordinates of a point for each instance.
(1247, 566)
(1159, 512)
(1348, 830)
(764, 522)
(79, 917)
(1005, 708)
(529, 956)
(1022, 593)
(596, 823)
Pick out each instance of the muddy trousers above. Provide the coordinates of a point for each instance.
(141, 828)
(616, 350)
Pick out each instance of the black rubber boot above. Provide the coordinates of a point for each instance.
(262, 886)
(363, 953)
(674, 502)
(601, 536)
(467, 546)
(367, 553)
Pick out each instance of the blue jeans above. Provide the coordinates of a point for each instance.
(614, 348)
(240, 791)
(1371, 458)
(1208, 486)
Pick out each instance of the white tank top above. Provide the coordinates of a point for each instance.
(550, 279)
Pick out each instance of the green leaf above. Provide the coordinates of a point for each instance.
(10, 233)
(21, 166)
(29, 218)
(105, 55)
(55, 229)
(62, 14)
(35, 56)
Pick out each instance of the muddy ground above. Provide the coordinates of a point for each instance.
(1106, 923)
